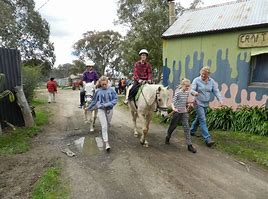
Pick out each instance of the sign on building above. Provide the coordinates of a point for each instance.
(251, 40)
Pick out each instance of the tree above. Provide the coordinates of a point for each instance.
(146, 21)
(22, 27)
(101, 47)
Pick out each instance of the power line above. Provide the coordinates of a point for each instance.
(43, 5)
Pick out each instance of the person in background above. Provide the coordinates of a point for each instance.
(89, 75)
(205, 86)
(142, 72)
(104, 100)
(52, 90)
(180, 112)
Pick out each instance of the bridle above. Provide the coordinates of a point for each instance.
(157, 104)
(157, 96)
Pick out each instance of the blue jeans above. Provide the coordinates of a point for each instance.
(200, 118)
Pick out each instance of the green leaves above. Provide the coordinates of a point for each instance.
(101, 47)
(23, 28)
(245, 119)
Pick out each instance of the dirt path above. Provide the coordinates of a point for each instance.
(129, 170)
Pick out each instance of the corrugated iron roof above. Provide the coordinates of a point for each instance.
(232, 15)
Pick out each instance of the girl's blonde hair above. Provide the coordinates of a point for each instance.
(183, 82)
(102, 78)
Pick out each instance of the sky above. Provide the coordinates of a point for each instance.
(69, 19)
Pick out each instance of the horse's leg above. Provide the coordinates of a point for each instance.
(94, 116)
(91, 128)
(134, 119)
(147, 120)
(85, 115)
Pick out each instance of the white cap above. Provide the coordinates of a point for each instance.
(89, 63)
(143, 51)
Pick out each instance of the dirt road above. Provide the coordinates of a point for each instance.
(129, 170)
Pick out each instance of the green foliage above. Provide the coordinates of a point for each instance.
(18, 141)
(101, 47)
(50, 186)
(22, 27)
(146, 22)
(245, 146)
(244, 119)
(30, 77)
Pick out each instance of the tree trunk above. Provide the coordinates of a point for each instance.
(1, 132)
(23, 104)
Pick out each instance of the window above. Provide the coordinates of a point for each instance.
(259, 72)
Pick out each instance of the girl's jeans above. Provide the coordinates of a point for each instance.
(201, 119)
(105, 118)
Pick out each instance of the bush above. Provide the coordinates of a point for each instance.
(30, 78)
(245, 119)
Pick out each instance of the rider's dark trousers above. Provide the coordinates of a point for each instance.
(184, 118)
(133, 91)
(82, 97)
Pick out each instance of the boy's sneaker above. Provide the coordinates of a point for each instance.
(107, 147)
(126, 102)
(191, 148)
(167, 140)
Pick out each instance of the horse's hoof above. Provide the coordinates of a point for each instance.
(91, 130)
(142, 142)
(86, 122)
(136, 135)
(146, 145)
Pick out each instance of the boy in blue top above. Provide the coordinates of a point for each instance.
(104, 100)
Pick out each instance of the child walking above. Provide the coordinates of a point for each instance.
(180, 112)
(104, 100)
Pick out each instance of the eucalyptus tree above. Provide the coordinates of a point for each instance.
(145, 21)
(22, 27)
(100, 46)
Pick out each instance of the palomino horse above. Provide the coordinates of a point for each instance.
(90, 116)
(152, 97)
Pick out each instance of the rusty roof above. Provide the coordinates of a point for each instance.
(233, 15)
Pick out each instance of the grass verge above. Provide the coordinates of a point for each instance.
(17, 141)
(50, 185)
(243, 146)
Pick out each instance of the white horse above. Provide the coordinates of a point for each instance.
(90, 116)
(152, 97)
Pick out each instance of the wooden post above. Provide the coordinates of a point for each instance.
(25, 108)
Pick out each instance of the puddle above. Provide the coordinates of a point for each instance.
(89, 145)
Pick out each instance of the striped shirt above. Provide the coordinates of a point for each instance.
(180, 100)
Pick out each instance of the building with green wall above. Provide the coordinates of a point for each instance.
(232, 39)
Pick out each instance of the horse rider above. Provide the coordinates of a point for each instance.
(89, 75)
(142, 72)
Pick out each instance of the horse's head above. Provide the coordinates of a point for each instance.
(89, 88)
(162, 100)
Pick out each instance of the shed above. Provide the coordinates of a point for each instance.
(231, 38)
(10, 65)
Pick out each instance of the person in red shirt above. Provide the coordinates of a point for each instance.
(142, 72)
(52, 89)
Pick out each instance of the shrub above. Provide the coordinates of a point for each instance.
(244, 119)
(30, 78)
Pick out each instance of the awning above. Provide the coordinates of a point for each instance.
(258, 51)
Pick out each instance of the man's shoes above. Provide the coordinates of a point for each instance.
(79, 106)
(210, 143)
(191, 148)
(194, 134)
(167, 140)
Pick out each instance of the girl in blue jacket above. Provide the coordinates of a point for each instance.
(104, 100)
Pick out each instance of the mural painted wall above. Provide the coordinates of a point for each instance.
(230, 66)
